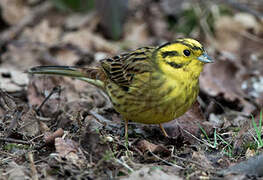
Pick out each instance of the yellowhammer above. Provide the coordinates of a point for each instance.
(150, 85)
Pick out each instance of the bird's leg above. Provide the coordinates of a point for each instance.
(163, 130)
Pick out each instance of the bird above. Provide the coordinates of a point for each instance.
(149, 85)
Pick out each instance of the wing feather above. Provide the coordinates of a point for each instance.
(121, 69)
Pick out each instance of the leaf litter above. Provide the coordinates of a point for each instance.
(57, 127)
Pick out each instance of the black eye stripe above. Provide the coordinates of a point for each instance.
(186, 52)
(169, 53)
(174, 65)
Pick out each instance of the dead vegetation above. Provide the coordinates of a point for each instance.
(60, 128)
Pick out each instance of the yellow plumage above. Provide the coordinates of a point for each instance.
(150, 85)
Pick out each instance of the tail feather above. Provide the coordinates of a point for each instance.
(92, 75)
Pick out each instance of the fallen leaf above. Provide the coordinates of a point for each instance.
(13, 11)
(223, 78)
(145, 146)
(136, 34)
(188, 125)
(250, 153)
(85, 39)
(228, 37)
(201, 159)
(39, 88)
(42, 33)
(16, 171)
(22, 55)
(248, 21)
(29, 123)
(69, 149)
(91, 140)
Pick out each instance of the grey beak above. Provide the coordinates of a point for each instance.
(205, 58)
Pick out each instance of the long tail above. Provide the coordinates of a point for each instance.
(91, 75)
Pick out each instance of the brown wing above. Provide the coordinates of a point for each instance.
(121, 69)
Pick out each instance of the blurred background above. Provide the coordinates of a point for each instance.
(82, 32)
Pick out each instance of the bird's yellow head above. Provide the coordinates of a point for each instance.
(183, 56)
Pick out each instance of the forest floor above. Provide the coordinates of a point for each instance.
(62, 128)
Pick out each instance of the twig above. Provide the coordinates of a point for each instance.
(11, 140)
(32, 166)
(202, 141)
(36, 137)
(44, 119)
(124, 164)
(190, 161)
(100, 118)
(56, 89)
(203, 22)
(10, 155)
(166, 162)
(252, 37)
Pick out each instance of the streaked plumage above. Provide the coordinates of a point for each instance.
(150, 85)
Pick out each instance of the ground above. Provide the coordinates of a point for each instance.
(61, 128)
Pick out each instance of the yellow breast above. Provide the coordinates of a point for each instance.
(154, 99)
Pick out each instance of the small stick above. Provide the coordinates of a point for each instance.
(11, 140)
(163, 130)
(56, 89)
(32, 166)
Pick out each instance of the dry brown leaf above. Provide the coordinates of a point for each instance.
(219, 78)
(66, 57)
(22, 55)
(228, 37)
(74, 111)
(136, 34)
(156, 22)
(223, 78)
(15, 171)
(43, 127)
(252, 78)
(187, 126)
(202, 160)
(30, 125)
(91, 140)
(250, 153)
(39, 88)
(42, 33)
(145, 146)
(64, 147)
(249, 22)
(69, 149)
(13, 11)
(85, 39)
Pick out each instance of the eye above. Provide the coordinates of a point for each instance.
(186, 52)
